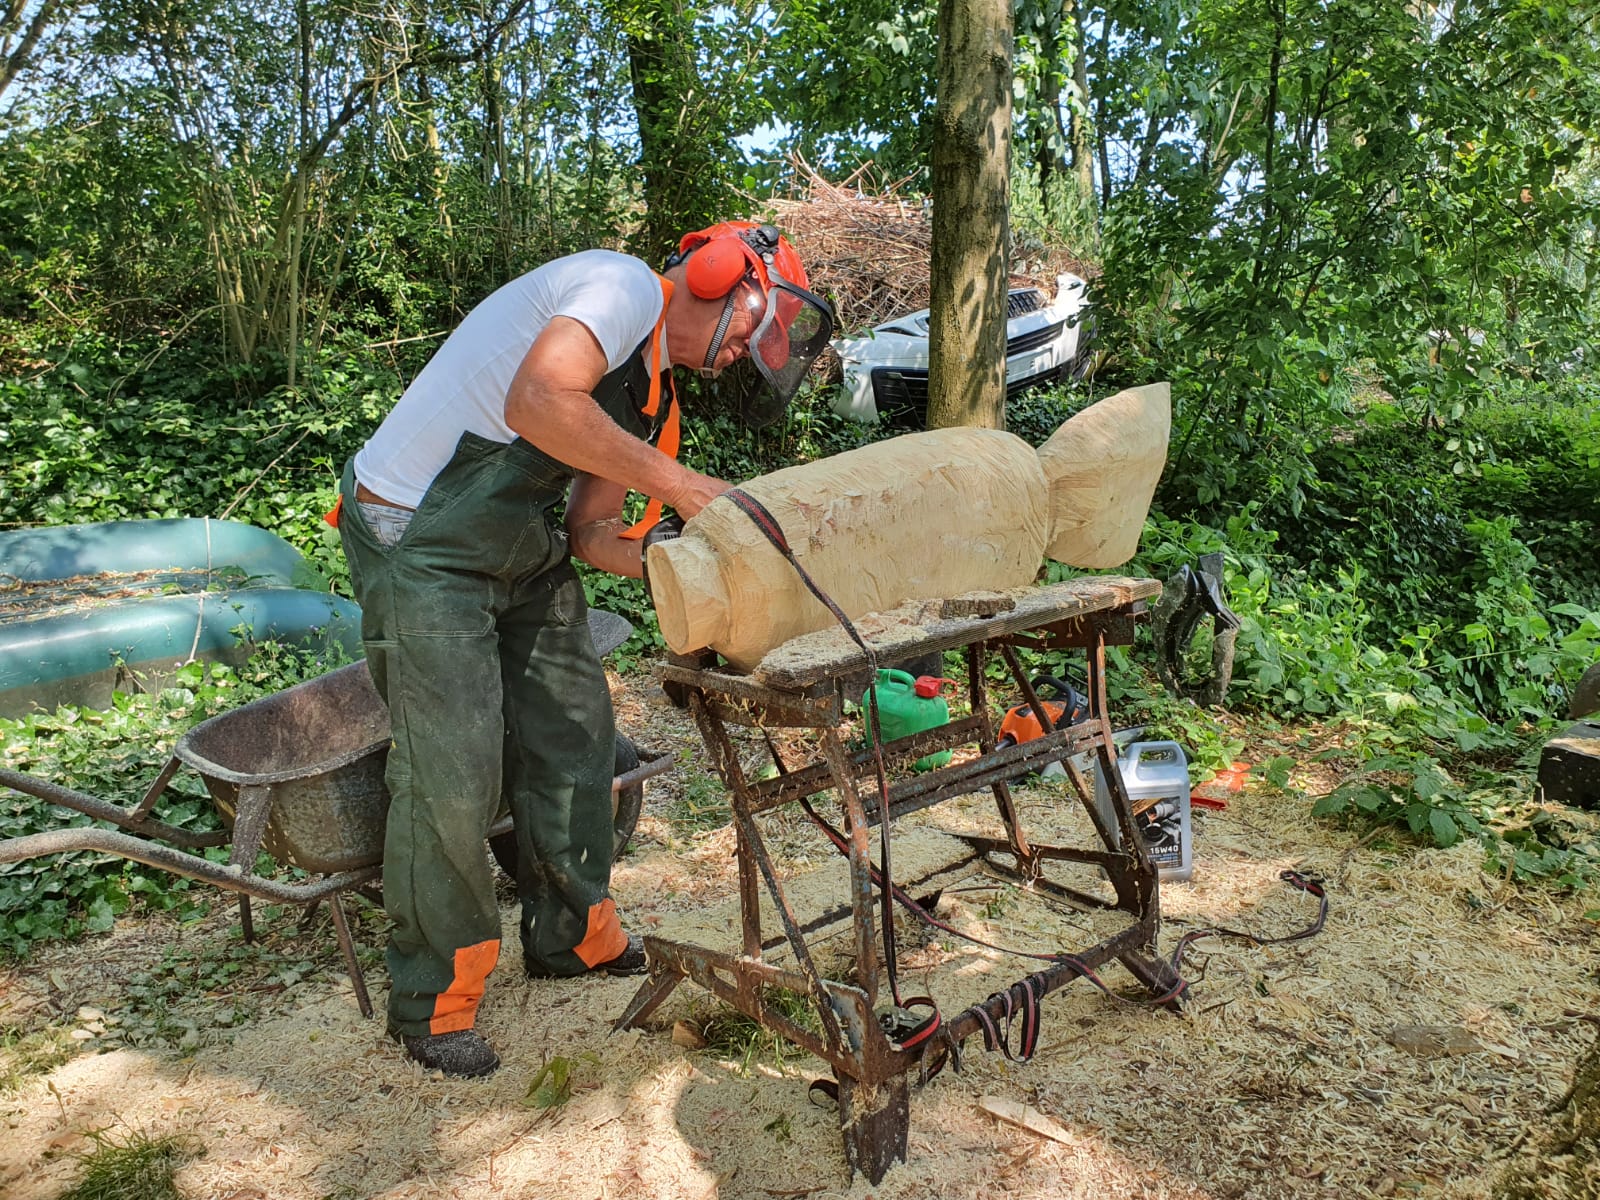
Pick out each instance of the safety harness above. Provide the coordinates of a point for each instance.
(671, 431)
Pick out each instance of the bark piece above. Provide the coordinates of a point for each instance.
(976, 604)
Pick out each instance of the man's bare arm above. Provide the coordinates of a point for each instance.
(595, 525)
(551, 405)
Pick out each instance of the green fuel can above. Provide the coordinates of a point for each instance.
(908, 705)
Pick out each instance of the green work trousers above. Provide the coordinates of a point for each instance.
(477, 638)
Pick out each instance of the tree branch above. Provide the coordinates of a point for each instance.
(11, 66)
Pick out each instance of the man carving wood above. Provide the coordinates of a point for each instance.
(556, 386)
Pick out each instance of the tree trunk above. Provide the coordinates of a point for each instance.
(971, 216)
(684, 149)
(1561, 1160)
(14, 57)
(1082, 133)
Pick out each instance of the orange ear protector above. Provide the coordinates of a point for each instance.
(716, 268)
(721, 255)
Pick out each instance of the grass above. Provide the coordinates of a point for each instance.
(701, 805)
(730, 1034)
(135, 1166)
(24, 1055)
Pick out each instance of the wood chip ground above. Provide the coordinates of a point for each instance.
(1283, 1080)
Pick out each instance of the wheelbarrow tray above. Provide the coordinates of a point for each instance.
(320, 747)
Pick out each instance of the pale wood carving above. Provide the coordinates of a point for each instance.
(924, 516)
(1103, 465)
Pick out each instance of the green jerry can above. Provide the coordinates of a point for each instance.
(908, 705)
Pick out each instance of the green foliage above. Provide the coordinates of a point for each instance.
(863, 77)
(114, 755)
(132, 1166)
(551, 1086)
(1419, 215)
(701, 804)
(695, 84)
(203, 986)
(126, 435)
(731, 1034)
(1415, 746)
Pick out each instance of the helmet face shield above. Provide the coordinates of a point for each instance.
(793, 331)
(754, 267)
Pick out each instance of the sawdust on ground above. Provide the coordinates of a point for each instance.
(1283, 1079)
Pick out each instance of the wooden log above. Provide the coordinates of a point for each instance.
(917, 517)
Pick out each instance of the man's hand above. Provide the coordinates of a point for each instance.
(698, 491)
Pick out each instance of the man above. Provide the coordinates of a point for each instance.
(474, 618)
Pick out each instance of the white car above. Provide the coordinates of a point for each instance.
(886, 369)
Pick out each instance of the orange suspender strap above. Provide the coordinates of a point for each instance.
(671, 431)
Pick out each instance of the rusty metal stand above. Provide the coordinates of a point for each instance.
(871, 1070)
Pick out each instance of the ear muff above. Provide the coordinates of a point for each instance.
(716, 268)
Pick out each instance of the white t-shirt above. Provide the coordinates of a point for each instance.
(463, 388)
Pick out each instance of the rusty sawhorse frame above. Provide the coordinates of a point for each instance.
(1089, 614)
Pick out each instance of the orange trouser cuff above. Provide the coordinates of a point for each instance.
(457, 1006)
(604, 939)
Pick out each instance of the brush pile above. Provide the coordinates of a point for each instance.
(867, 243)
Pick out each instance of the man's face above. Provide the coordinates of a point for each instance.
(748, 306)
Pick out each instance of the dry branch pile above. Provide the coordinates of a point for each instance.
(866, 244)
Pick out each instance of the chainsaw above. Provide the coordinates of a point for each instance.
(1065, 707)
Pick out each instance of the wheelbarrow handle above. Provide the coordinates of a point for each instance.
(190, 866)
(134, 820)
(645, 770)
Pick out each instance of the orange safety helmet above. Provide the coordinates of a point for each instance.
(793, 324)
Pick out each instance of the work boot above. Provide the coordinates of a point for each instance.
(462, 1053)
(630, 962)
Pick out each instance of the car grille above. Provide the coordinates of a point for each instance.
(901, 394)
(1020, 303)
(1032, 341)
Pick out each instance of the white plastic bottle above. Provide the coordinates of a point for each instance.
(1157, 771)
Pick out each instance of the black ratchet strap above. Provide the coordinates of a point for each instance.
(773, 532)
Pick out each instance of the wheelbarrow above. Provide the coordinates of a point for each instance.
(300, 775)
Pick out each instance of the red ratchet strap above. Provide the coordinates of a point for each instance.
(1308, 882)
(1019, 997)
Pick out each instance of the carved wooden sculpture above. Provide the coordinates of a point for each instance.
(921, 516)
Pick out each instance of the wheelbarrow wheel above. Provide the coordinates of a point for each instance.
(625, 807)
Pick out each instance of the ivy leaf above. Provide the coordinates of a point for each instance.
(101, 915)
(1277, 771)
